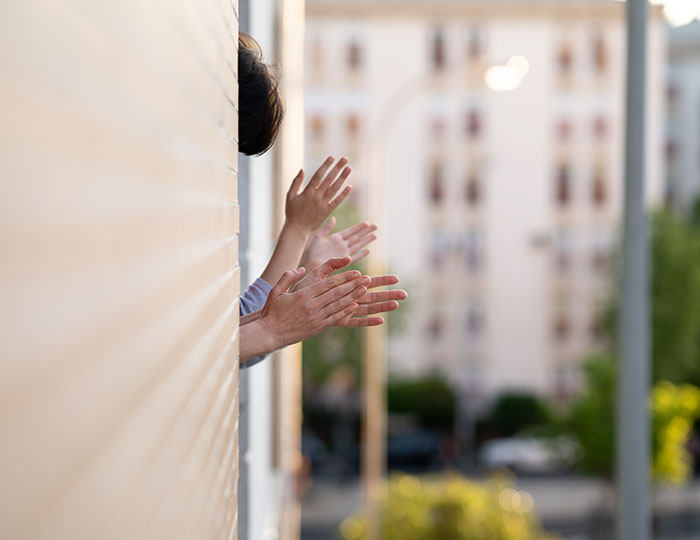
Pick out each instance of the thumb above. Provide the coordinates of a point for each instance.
(296, 183)
(328, 227)
(331, 265)
(286, 281)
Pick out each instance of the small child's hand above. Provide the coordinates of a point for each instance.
(306, 209)
(322, 245)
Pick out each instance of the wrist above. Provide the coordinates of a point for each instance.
(296, 229)
(268, 335)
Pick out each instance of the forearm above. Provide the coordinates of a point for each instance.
(255, 340)
(287, 253)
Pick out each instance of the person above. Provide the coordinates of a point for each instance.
(312, 296)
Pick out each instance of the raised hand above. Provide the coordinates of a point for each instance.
(369, 303)
(322, 245)
(306, 209)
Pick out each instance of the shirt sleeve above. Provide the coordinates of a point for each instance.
(253, 299)
(255, 296)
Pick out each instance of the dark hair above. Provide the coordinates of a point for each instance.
(260, 108)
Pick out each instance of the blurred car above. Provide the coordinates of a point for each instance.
(528, 454)
(414, 451)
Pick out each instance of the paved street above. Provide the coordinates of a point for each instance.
(573, 507)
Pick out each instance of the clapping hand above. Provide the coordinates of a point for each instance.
(307, 208)
(322, 245)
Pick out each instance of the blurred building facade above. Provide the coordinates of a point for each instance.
(683, 144)
(494, 130)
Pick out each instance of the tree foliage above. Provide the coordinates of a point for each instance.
(674, 409)
(455, 508)
(430, 400)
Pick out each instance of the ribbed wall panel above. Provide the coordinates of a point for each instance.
(119, 275)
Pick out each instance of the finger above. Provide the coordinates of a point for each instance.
(382, 281)
(383, 296)
(331, 265)
(333, 188)
(332, 175)
(337, 298)
(361, 255)
(345, 313)
(362, 242)
(320, 172)
(350, 231)
(296, 184)
(328, 227)
(358, 322)
(360, 233)
(340, 198)
(325, 285)
(377, 307)
(286, 281)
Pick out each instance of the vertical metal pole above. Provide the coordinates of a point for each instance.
(633, 441)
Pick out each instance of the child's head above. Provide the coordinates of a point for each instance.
(260, 109)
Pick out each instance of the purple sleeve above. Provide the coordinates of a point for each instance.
(255, 296)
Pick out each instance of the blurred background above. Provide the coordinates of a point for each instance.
(487, 142)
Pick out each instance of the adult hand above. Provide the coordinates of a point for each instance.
(322, 245)
(375, 302)
(306, 209)
(289, 317)
(369, 303)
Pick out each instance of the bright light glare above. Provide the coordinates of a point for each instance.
(681, 12)
(520, 64)
(502, 78)
(678, 12)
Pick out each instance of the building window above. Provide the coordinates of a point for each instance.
(352, 125)
(439, 248)
(563, 185)
(439, 57)
(317, 127)
(600, 52)
(599, 188)
(435, 328)
(597, 329)
(563, 247)
(600, 257)
(565, 59)
(474, 249)
(475, 45)
(564, 130)
(475, 320)
(473, 190)
(600, 127)
(437, 181)
(562, 327)
(474, 123)
(438, 127)
(354, 55)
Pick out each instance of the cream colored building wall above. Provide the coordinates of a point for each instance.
(684, 115)
(519, 288)
(119, 278)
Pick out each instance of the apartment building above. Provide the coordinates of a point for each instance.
(683, 143)
(492, 134)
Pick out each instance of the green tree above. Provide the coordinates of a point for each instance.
(513, 412)
(675, 298)
(430, 400)
(673, 408)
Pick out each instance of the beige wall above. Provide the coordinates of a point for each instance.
(119, 275)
